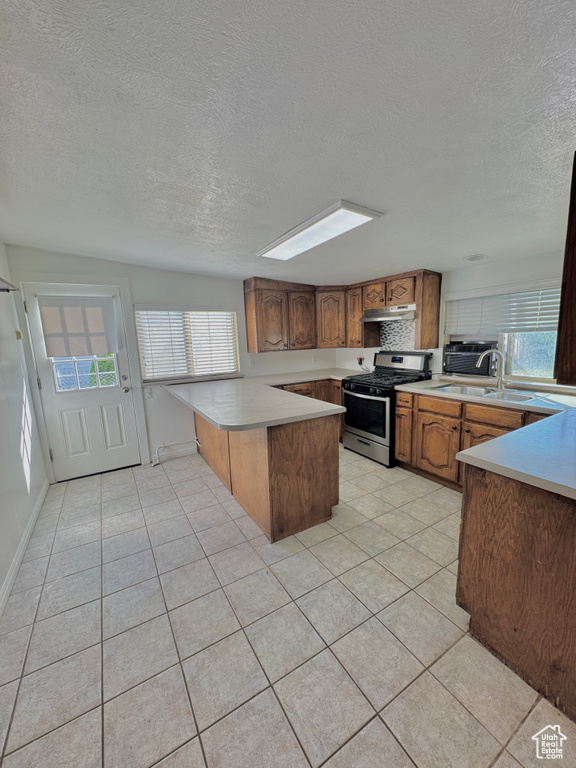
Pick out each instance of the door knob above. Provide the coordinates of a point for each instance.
(125, 389)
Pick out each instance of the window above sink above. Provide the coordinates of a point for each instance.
(525, 324)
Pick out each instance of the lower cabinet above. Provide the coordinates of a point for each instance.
(436, 443)
(404, 434)
(434, 430)
(474, 434)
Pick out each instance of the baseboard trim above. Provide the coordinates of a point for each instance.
(17, 559)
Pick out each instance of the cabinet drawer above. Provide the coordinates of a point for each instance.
(500, 417)
(439, 405)
(307, 388)
(404, 399)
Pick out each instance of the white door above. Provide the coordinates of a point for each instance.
(82, 363)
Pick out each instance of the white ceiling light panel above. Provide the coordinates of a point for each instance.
(334, 221)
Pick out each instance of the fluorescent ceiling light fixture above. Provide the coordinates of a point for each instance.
(334, 221)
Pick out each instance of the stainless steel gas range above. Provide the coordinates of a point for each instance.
(370, 402)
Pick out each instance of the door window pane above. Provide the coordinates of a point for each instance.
(90, 372)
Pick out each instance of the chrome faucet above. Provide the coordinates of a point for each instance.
(500, 383)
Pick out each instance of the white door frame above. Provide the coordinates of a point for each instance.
(123, 286)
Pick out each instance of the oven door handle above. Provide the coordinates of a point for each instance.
(366, 397)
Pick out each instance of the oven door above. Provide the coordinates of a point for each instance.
(368, 415)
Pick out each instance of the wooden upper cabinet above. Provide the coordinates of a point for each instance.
(272, 309)
(284, 316)
(354, 311)
(302, 319)
(400, 291)
(331, 318)
(359, 334)
(374, 295)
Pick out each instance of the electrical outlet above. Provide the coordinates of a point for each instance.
(313, 358)
(19, 335)
(148, 393)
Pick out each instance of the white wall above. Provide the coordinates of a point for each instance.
(168, 420)
(22, 483)
(510, 272)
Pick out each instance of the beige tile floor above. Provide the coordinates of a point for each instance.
(152, 624)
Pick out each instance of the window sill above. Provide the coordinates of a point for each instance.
(188, 380)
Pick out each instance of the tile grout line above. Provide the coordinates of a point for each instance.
(32, 627)
(179, 662)
(266, 566)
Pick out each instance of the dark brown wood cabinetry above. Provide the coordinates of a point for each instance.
(331, 318)
(302, 319)
(400, 291)
(279, 316)
(273, 320)
(374, 295)
(404, 434)
(354, 311)
(436, 443)
(565, 362)
(430, 431)
(283, 316)
(359, 334)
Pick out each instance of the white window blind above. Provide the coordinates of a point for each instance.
(175, 344)
(78, 326)
(506, 313)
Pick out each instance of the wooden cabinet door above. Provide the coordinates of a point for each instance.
(213, 447)
(404, 434)
(331, 319)
(272, 309)
(374, 295)
(474, 434)
(436, 443)
(322, 390)
(306, 388)
(400, 291)
(302, 320)
(354, 312)
(335, 392)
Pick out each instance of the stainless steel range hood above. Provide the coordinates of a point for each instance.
(386, 314)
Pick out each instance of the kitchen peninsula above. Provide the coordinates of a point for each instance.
(517, 565)
(275, 451)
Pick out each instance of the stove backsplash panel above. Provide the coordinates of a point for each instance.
(399, 334)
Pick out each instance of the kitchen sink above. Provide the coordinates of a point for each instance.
(463, 389)
(513, 397)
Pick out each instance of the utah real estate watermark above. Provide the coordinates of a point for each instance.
(549, 743)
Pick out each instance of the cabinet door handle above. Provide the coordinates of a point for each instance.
(467, 430)
(454, 428)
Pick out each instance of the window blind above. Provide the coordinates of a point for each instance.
(506, 313)
(175, 344)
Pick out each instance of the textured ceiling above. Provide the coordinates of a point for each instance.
(188, 135)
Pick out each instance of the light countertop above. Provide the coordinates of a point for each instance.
(545, 402)
(253, 403)
(542, 454)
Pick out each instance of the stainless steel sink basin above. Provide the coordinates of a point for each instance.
(463, 389)
(513, 397)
